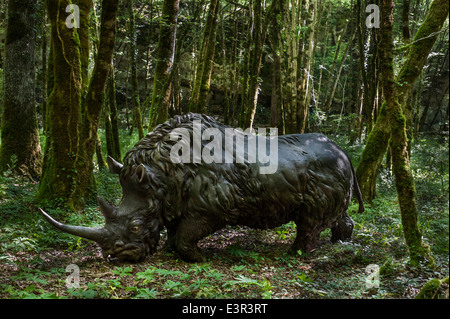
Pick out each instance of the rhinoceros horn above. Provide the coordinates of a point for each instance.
(113, 165)
(95, 234)
(106, 208)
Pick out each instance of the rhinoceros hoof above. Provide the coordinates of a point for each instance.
(193, 255)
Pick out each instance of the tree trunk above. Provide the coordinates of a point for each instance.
(324, 54)
(93, 103)
(372, 156)
(59, 174)
(276, 108)
(419, 49)
(231, 101)
(312, 17)
(362, 96)
(85, 7)
(44, 66)
(338, 75)
(404, 181)
(67, 177)
(255, 58)
(159, 109)
(111, 118)
(205, 61)
(372, 89)
(290, 91)
(405, 21)
(333, 66)
(19, 131)
(136, 108)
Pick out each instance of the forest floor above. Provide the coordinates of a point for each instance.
(241, 262)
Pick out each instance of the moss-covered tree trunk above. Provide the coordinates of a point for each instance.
(421, 46)
(111, 118)
(159, 110)
(93, 103)
(372, 156)
(85, 7)
(305, 60)
(419, 49)
(255, 58)
(202, 81)
(396, 97)
(135, 104)
(19, 131)
(276, 108)
(67, 177)
(59, 175)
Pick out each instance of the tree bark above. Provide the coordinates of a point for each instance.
(405, 21)
(205, 61)
(311, 16)
(135, 104)
(19, 130)
(292, 52)
(67, 178)
(250, 97)
(111, 118)
(59, 174)
(159, 109)
(276, 108)
(85, 7)
(404, 181)
(44, 66)
(333, 66)
(93, 103)
(419, 49)
(338, 75)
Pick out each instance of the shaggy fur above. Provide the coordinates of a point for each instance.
(313, 186)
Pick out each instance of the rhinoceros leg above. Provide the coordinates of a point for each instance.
(169, 245)
(306, 241)
(188, 233)
(308, 232)
(343, 229)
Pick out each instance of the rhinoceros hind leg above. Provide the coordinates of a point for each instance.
(343, 229)
(169, 245)
(307, 238)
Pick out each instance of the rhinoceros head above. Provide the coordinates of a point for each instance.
(131, 230)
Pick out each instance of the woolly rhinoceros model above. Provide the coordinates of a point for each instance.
(166, 184)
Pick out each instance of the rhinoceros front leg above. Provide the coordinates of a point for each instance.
(188, 233)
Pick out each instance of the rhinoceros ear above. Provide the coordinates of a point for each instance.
(142, 175)
(114, 166)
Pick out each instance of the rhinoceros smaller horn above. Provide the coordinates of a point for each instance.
(114, 166)
(106, 208)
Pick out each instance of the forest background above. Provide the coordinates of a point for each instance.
(378, 87)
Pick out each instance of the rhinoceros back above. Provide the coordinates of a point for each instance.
(313, 179)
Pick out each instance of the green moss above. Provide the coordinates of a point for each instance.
(422, 44)
(372, 155)
(434, 289)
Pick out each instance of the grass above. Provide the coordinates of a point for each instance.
(241, 262)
